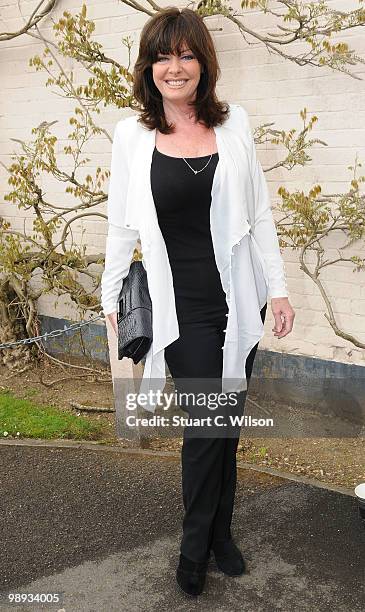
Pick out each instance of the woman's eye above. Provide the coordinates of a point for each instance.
(159, 59)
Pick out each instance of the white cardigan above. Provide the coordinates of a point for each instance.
(244, 239)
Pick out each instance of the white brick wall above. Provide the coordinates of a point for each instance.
(272, 90)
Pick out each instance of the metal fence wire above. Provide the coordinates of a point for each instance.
(52, 334)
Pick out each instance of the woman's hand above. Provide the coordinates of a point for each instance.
(112, 317)
(283, 315)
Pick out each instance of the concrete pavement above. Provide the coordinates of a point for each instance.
(103, 530)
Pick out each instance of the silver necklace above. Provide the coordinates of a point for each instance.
(197, 171)
(192, 169)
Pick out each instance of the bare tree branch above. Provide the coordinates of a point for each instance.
(37, 15)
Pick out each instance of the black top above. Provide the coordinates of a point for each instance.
(182, 201)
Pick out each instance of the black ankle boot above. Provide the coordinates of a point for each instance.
(228, 557)
(190, 576)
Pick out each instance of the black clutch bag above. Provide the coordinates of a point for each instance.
(134, 314)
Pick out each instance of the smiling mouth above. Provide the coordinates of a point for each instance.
(176, 83)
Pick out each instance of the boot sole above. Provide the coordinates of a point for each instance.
(192, 595)
(229, 573)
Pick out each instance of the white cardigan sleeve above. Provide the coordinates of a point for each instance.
(120, 241)
(264, 229)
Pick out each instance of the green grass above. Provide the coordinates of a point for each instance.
(45, 422)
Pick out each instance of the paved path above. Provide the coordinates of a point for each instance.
(103, 529)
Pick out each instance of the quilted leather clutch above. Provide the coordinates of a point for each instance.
(134, 314)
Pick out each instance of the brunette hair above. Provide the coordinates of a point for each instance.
(165, 33)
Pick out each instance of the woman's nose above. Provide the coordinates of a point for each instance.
(174, 65)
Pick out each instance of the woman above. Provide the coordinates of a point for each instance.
(186, 181)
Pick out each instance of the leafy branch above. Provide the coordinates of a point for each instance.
(310, 219)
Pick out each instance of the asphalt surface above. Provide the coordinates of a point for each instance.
(103, 530)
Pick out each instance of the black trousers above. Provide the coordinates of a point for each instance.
(209, 470)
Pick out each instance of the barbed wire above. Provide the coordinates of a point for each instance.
(52, 334)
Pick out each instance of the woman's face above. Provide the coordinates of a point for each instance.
(177, 77)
